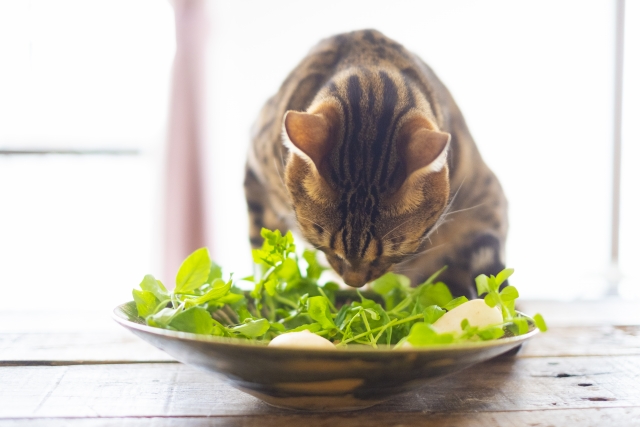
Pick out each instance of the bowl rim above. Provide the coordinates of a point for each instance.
(352, 349)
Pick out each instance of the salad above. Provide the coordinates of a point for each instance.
(289, 305)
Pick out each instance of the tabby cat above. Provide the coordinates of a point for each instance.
(364, 153)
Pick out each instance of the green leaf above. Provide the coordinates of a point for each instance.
(219, 331)
(503, 276)
(277, 327)
(455, 302)
(464, 324)
(540, 323)
(243, 313)
(491, 333)
(386, 320)
(491, 299)
(260, 256)
(257, 291)
(509, 293)
(218, 289)
(318, 310)
(162, 318)
(270, 284)
(275, 247)
(433, 313)
(331, 287)
(508, 309)
(150, 284)
(253, 328)
(146, 302)
(522, 325)
(230, 298)
(288, 272)
(214, 273)
(435, 294)
(482, 284)
(386, 283)
(343, 316)
(372, 313)
(193, 272)
(196, 320)
(314, 269)
(394, 288)
(422, 334)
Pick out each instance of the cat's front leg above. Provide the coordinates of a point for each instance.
(481, 255)
(465, 254)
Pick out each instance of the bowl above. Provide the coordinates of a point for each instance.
(316, 379)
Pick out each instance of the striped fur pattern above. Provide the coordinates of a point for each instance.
(364, 153)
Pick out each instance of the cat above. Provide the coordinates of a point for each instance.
(364, 153)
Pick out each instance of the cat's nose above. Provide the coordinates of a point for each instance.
(355, 278)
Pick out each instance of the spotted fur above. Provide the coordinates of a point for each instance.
(364, 153)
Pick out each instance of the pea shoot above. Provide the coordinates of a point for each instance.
(288, 295)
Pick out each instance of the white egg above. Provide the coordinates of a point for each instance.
(476, 311)
(302, 339)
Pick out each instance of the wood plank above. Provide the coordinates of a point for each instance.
(119, 346)
(147, 390)
(592, 417)
(585, 341)
(115, 346)
(607, 311)
(42, 321)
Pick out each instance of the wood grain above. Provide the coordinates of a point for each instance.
(120, 346)
(594, 417)
(147, 390)
(585, 341)
(75, 348)
(608, 311)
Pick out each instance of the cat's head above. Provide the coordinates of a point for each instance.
(366, 190)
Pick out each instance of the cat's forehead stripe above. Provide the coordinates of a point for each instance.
(389, 101)
(354, 96)
(372, 104)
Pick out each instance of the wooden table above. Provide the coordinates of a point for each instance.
(64, 369)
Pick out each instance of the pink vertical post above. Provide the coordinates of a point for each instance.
(184, 197)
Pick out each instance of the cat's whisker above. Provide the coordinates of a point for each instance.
(402, 270)
(441, 220)
(312, 222)
(444, 214)
(275, 164)
(417, 254)
(395, 228)
(414, 255)
(463, 210)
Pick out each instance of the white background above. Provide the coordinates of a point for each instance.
(534, 80)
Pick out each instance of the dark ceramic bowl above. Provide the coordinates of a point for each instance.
(316, 380)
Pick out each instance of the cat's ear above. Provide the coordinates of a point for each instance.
(310, 137)
(425, 151)
(312, 134)
(307, 135)
(422, 148)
